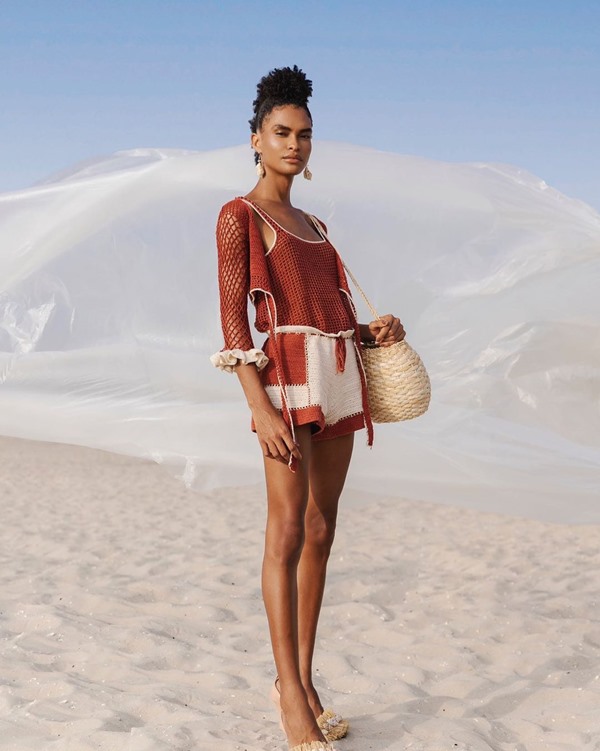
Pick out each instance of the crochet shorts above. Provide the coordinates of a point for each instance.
(321, 377)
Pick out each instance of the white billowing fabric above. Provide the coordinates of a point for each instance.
(109, 315)
(227, 359)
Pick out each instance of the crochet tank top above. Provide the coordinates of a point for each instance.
(305, 282)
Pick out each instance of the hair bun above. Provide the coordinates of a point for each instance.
(284, 84)
(279, 87)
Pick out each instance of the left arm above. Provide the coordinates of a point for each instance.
(387, 330)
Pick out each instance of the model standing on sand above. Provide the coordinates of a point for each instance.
(306, 388)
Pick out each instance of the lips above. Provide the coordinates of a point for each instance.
(292, 159)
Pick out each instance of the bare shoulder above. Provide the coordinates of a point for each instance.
(320, 223)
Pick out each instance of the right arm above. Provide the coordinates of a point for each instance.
(273, 433)
(239, 354)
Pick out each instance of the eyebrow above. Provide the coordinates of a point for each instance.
(287, 127)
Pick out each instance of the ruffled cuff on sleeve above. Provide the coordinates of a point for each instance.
(226, 359)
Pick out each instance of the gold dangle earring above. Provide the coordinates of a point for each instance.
(260, 167)
(307, 173)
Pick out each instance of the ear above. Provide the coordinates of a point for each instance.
(255, 141)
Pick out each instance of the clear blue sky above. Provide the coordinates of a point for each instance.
(484, 80)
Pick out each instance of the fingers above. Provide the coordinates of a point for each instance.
(274, 435)
(284, 448)
(397, 331)
(284, 457)
(281, 447)
(391, 331)
(272, 453)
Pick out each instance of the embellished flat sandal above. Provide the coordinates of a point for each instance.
(331, 724)
(313, 746)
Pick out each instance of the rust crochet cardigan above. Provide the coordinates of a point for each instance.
(243, 271)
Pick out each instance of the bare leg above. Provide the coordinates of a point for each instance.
(287, 495)
(327, 473)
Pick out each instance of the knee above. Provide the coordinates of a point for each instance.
(284, 541)
(320, 532)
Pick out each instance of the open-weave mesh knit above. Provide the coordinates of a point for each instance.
(234, 282)
(294, 266)
(294, 283)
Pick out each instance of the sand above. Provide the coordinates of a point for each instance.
(131, 618)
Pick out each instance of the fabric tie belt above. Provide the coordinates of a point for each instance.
(340, 345)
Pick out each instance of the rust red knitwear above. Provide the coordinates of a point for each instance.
(296, 282)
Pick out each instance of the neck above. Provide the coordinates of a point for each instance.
(274, 188)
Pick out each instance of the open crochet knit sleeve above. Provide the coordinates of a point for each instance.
(234, 283)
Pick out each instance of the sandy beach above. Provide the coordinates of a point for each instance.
(131, 618)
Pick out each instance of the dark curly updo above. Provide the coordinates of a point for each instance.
(279, 87)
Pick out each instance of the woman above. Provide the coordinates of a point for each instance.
(305, 389)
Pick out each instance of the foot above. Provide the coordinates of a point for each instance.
(311, 694)
(297, 717)
(332, 725)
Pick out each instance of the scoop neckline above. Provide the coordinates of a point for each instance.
(260, 208)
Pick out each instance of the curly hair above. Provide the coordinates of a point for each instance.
(279, 87)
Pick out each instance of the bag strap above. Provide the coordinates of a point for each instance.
(321, 230)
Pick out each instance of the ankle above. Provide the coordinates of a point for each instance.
(313, 698)
(307, 680)
(291, 690)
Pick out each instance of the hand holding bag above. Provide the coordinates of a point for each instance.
(398, 385)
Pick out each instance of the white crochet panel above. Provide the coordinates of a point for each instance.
(338, 394)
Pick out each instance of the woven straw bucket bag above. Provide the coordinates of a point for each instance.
(398, 385)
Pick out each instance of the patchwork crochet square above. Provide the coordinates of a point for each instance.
(311, 364)
(318, 390)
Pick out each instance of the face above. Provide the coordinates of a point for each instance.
(284, 140)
